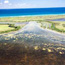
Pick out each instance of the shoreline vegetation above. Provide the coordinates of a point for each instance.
(55, 26)
(45, 21)
(8, 28)
(30, 18)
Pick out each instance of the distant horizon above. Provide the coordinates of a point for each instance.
(35, 8)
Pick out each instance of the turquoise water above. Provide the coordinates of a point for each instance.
(31, 12)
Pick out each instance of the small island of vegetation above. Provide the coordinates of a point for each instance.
(5, 28)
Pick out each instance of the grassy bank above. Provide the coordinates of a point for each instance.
(53, 25)
(58, 26)
(8, 28)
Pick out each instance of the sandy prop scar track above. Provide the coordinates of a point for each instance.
(33, 33)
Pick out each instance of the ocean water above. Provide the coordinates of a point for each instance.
(31, 12)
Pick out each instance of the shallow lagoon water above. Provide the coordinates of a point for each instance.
(32, 31)
(32, 45)
(61, 19)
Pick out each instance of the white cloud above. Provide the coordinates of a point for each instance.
(22, 5)
(9, 5)
(6, 1)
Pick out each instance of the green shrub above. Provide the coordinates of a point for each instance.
(11, 25)
(63, 25)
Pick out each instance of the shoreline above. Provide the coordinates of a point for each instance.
(32, 15)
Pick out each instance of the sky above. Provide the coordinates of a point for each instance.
(11, 4)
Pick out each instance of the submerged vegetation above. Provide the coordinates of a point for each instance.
(24, 54)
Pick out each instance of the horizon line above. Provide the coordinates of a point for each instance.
(31, 8)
